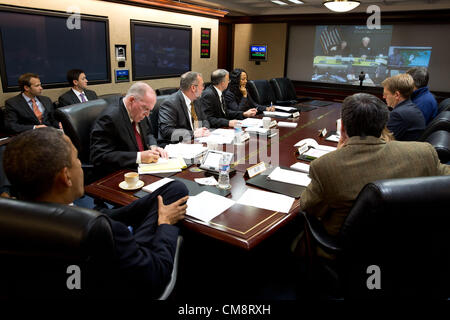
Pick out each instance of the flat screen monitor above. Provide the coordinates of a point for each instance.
(406, 57)
(46, 43)
(160, 50)
(258, 53)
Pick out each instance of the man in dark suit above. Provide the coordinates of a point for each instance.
(214, 106)
(29, 110)
(144, 257)
(79, 92)
(121, 136)
(179, 117)
(406, 121)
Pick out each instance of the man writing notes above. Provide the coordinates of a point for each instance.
(79, 92)
(362, 157)
(29, 110)
(214, 103)
(180, 116)
(122, 134)
(43, 166)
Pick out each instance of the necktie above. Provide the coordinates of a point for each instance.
(222, 104)
(194, 116)
(138, 137)
(36, 110)
(83, 98)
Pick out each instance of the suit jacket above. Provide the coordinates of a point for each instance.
(70, 97)
(242, 104)
(212, 108)
(173, 118)
(20, 117)
(113, 143)
(338, 177)
(406, 121)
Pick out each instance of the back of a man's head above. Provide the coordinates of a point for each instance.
(403, 83)
(218, 76)
(420, 76)
(188, 79)
(33, 159)
(139, 90)
(364, 115)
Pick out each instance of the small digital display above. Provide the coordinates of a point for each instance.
(122, 75)
(258, 52)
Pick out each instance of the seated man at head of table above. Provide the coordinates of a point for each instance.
(362, 157)
(422, 97)
(406, 121)
(121, 137)
(29, 110)
(181, 116)
(43, 166)
(79, 92)
(214, 104)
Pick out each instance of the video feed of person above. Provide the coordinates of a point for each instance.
(343, 53)
(406, 57)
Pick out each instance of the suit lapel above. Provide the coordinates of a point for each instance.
(28, 110)
(74, 97)
(184, 107)
(224, 111)
(127, 124)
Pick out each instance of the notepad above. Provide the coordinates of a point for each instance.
(172, 165)
(299, 166)
(266, 200)
(206, 205)
(289, 176)
(156, 185)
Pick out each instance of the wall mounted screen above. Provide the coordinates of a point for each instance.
(45, 43)
(258, 53)
(160, 50)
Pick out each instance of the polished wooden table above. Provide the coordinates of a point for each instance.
(241, 226)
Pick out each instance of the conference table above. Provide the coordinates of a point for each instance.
(241, 226)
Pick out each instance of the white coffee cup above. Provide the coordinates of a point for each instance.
(131, 178)
(266, 122)
(338, 126)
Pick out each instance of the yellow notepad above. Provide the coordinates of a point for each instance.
(171, 165)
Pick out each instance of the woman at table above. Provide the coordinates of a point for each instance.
(237, 96)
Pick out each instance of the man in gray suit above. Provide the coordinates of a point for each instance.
(29, 110)
(79, 92)
(180, 117)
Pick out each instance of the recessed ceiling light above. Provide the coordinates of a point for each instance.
(296, 1)
(281, 3)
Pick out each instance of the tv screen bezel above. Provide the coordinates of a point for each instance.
(133, 23)
(250, 52)
(11, 88)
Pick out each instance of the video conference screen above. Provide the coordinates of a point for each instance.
(43, 43)
(160, 51)
(341, 53)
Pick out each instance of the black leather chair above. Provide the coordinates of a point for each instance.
(284, 91)
(165, 91)
(440, 122)
(440, 140)
(111, 98)
(39, 242)
(261, 92)
(444, 105)
(399, 225)
(154, 118)
(77, 121)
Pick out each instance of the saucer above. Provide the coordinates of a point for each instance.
(123, 185)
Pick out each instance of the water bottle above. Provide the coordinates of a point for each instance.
(224, 178)
(238, 133)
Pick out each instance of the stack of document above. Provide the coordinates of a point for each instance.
(287, 124)
(266, 200)
(289, 176)
(286, 109)
(277, 114)
(170, 165)
(252, 122)
(219, 136)
(156, 185)
(311, 149)
(185, 150)
(302, 167)
(206, 205)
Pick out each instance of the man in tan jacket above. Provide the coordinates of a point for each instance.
(362, 157)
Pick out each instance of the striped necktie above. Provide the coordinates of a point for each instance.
(36, 110)
(138, 137)
(194, 117)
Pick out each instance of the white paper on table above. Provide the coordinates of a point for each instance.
(219, 136)
(257, 130)
(287, 109)
(287, 124)
(315, 153)
(266, 200)
(277, 114)
(185, 150)
(206, 205)
(333, 137)
(289, 176)
(210, 181)
(299, 166)
(252, 122)
(313, 143)
(156, 185)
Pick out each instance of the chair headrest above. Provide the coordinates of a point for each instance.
(441, 122)
(56, 230)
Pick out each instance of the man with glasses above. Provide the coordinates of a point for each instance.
(122, 135)
(180, 117)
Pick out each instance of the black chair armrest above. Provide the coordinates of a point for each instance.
(328, 243)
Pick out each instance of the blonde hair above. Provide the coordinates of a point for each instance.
(403, 83)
